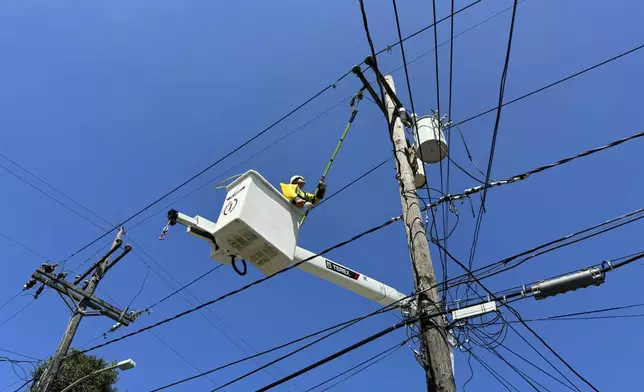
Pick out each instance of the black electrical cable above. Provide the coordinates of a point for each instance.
(285, 356)
(583, 71)
(300, 339)
(17, 313)
(521, 374)
(21, 355)
(50, 196)
(344, 351)
(375, 361)
(185, 286)
(535, 366)
(360, 177)
(449, 134)
(388, 48)
(23, 246)
(504, 75)
(23, 385)
(10, 299)
(487, 367)
(372, 358)
(365, 24)
(539, 169)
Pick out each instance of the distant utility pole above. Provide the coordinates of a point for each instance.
(81, 299)
(435, 350)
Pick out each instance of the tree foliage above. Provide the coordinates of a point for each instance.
(77, 366)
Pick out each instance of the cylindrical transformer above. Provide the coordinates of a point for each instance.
(432, 145)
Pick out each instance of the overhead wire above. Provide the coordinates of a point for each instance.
(443, 261)
(380, 357)
(278, 347)
(33, 252)
(531, 363)
(574, 75)
(449, 135)
(504, 75)
(17, 313)
(524, 175)
(530, 381)
(20, 355)
(373, 358)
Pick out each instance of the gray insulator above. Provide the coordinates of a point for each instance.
(570, 282)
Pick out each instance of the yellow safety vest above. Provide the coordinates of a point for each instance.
(292, 191)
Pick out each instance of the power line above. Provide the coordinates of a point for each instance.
(23, 246)
(185, 286)
(20, 355)
(523, 176)
(17, 313)
(487, 367)
(342, 352)
(52, 187)
(504, 76)
(288, 355)
(373, 360)
(300, 339)
(11, 299)
(49, 196)
(583, 71)
(449, 134)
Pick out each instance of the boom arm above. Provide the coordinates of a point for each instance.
(318, 266)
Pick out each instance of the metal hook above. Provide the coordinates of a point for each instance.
(164, 231)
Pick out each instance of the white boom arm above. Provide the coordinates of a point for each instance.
(318, 266)
(351, 280)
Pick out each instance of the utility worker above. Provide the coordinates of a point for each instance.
(294, 193)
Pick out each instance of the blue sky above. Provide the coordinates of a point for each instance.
(115, 103)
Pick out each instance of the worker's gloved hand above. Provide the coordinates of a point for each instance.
(321, 189)
(307, 206)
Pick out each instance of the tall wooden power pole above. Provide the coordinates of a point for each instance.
(82, 299)
(435, 350)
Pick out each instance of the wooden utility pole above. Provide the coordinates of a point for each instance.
(82, 299)
(435, 350)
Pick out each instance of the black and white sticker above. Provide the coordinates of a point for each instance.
(342, 270)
